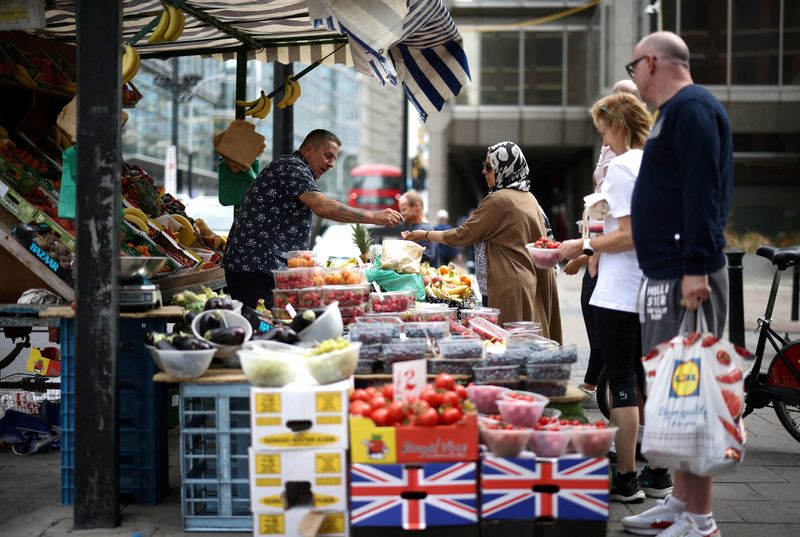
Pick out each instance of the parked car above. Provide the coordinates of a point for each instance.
(336, 241)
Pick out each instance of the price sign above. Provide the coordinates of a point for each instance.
(409, 378)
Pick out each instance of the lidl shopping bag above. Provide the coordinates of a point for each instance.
(695, 399)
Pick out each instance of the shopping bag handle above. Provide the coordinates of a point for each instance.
(693, 320)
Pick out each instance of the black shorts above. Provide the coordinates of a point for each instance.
(249, 287)
(619, 337)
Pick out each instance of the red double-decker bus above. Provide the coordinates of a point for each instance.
(376, 186)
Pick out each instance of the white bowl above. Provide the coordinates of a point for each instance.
(224, 351)
(335, 365)
(327, 326)
(182, 364)
(155, 356)
(269, 364)
(543, 257)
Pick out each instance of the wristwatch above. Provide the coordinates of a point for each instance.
(587, 248)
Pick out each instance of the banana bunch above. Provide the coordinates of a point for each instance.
(448, 292)
(186, 234)
(291, 92)
(170, 25)
(23, 77)
(130, 63)
(62, 138)
(136, 217)
(258, 108)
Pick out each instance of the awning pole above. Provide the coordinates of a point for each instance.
(283, 118)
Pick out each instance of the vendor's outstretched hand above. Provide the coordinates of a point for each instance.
(416, 235)
(387, 218)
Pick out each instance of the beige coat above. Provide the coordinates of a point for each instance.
(507, 220)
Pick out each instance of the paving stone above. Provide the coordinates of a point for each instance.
(791, 474)
(778, 491)
(773, 512)
(750, 474)
(738, 491)
(761, 530)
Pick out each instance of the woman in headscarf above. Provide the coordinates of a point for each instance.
(506, 220)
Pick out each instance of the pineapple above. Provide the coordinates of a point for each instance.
(362, 238)
(148, 198)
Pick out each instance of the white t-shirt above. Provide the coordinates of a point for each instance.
(618, 275)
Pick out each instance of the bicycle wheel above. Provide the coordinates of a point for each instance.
(789, 416)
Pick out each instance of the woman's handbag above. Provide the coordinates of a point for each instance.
(695, 399)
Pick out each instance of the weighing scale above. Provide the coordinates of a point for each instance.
(136, 291)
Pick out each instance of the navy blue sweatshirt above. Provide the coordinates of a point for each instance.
(683, 192)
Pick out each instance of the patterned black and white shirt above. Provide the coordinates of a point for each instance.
(272, 220)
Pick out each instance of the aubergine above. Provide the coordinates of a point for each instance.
(219, 303)
(232, 335)
(280, 333)
(189, 343)
(164, 344)
(303, 321)
(211, 321)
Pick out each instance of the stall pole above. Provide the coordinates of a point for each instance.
(175, 91)
(98, 208)
(241, 80)
(735, 296)
(283, 119)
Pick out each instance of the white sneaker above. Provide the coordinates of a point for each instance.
(684, 526)
(650, 522)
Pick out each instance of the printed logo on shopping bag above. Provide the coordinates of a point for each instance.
(685, 378)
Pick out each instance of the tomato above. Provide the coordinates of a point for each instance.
(451, 398)
(450, 415)
(388, 391)
(360, 408)
(432, 397)
(371, 390)
(428, 418)
(359, 394)
(461, 391)
(377, 401)
(396, 411)
(418, 407)
(444, 381)
(381, 417)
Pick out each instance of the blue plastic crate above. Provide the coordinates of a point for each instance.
(215, 437)
(143, 451)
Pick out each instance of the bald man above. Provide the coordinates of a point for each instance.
(678, 212)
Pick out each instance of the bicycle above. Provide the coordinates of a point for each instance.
(780, 385)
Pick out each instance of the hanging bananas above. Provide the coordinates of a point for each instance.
(130, 63)
(258, 108)
(170, 25)
(291, 92)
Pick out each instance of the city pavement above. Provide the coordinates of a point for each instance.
(761, 498)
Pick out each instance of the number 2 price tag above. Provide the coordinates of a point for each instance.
(409, 378)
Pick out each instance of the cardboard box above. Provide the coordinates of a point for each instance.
(16, 203)
(66, 237)
(430, 531)
(572, 487)
(300, 415)
(414, 496)
(372, 444)
(334, 523)
(543, 528)
(278, 477)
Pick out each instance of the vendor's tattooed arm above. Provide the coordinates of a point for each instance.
(325, 207)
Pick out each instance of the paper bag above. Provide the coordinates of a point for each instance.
(401, 256)
(239, 145)
(67, 118)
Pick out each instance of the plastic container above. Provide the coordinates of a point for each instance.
(548, 388)
(510, 356)
(532, 328)
(521, 412)
(461, 347)
(488, 330)
(496, 373)
(345, 295)
(281, 314)
(343, 276)
(334, 366)
(182, 364)
(298, 278)
(548, 372)
(282, 297)
(457, 366)
(372, 351)
(543, 258)
(595, 227)
(374, 332)
(231, 319)
(422, 314)
(404, 349)
(309, 297)
(549, 442)
(592, 441)
(485, 397)
(370, 317)
(301, 259)
(391, 301)
(567, 354)
(349, 315)
(433, 330)
(269, 364)
(368, 366)
(490, 314)
(507, 443)
(326, 326)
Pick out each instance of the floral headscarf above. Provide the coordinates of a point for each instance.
(510, 167)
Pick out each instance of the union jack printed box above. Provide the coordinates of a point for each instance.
(571, 487)
(414, 496)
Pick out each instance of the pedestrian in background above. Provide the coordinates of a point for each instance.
(444, 253)
(412, 208)
(679, 208)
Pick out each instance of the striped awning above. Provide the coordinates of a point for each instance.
(414, 42)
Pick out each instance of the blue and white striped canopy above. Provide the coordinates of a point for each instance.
(425, 50)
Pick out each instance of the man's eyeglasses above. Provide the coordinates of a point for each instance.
(631, 67)
(487, 167)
